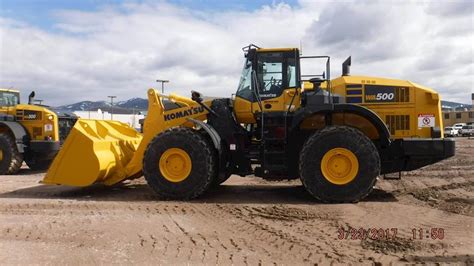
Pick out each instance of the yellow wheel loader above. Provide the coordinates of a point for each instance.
(28, 132)
(335, 135)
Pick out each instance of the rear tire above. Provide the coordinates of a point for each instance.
(188, 147)
(352, 151)
(38, 165)
(10, 158)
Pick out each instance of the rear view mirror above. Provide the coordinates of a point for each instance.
(196, 96)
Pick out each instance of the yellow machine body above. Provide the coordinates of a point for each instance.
(36, 131)
(404, 113)
(40, 122)
(245, 110)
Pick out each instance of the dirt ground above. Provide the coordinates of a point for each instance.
(245, 221)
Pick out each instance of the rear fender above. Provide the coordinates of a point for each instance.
(379, 124)
(373, 118)
(20, 134)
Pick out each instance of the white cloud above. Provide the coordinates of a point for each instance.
(122, 49)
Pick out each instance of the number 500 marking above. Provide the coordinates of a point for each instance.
(385, 96)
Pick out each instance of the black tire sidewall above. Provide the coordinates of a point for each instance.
(339, 137)
(5, 163)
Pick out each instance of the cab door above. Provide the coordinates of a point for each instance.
(269, 83)
(278, 80)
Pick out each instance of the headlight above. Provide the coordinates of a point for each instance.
(50, 117)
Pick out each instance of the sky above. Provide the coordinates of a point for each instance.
(69, 51)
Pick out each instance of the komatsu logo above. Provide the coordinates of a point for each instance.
(268, 95)
(184, 113)
(379, 93)
(380, 97)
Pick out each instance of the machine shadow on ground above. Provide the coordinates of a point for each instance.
(236, 194)
(27, 172)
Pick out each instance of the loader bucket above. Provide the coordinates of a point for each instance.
(95, 151)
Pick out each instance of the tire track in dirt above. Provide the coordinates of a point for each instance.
(91, 208)
(312, 244)
(413, 218)
(171, 238)
(455, 197)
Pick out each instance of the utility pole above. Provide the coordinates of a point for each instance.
(163, 81)
(112, 106)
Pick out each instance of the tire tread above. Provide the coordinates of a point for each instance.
(16, 157)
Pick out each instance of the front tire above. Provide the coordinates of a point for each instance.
(179, 164)
(339, 164)
(10, 158)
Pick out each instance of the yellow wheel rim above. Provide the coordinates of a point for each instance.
(175, 165)
(1, 155)
(339, 166)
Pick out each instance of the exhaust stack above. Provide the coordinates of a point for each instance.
(31, 98)
(346, 67)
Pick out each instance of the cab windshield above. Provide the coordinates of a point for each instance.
(9, 98)
(244, 90)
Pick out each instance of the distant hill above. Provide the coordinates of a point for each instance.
(140, 104)
(134, 103)
(83, 106)
(122, 107)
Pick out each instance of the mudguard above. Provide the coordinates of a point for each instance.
(379, 124)
(18, 132)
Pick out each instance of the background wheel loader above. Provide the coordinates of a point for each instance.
(335, 135)
(28, 132)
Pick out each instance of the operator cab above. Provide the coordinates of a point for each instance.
(269, 82)
(267, 73)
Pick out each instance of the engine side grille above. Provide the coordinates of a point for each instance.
(28, 115)
(37, 131)
(402, 94)
(397, 122)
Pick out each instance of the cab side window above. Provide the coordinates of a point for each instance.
(276, 71)
(270, 74)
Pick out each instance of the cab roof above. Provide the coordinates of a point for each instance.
(9, 90)
(276, 49)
